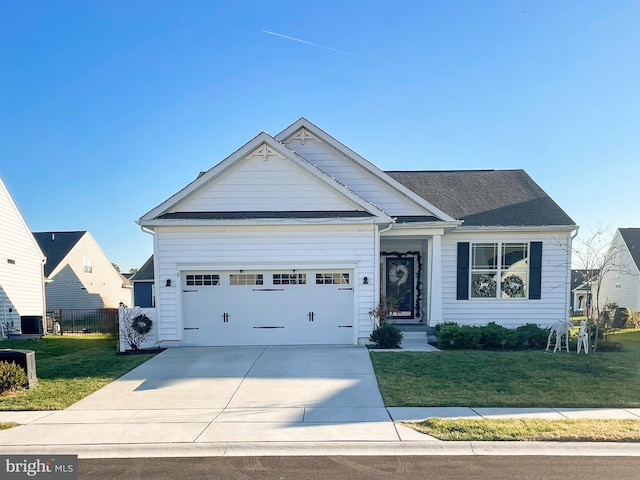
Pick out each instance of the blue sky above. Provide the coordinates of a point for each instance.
(109, 107)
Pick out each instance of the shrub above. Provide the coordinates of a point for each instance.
(454, 336)
(494, 336)
(12, 377)
(386, 335)
(491, 337)
(531, 335)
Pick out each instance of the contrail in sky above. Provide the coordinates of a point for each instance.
(303, 41)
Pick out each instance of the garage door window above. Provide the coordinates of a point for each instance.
(203, 279)
(289, 278)
(332, 278)
(246, 279)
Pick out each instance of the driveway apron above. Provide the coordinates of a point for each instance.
(226, 394)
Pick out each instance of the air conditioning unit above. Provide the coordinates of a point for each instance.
(25, 359)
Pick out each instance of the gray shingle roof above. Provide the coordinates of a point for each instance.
(56, 246)
(145, 272)
(631, 237)
(486, 197)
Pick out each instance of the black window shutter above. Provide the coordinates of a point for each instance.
(463, 271)
(535, 270)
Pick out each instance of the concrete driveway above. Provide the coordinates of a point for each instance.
(227, 394)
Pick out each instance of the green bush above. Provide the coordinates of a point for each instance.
(532, 336)
(454, 336)
(386, 335)
(12, 377)
(492, 336)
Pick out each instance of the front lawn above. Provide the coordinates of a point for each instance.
(69, 369)
(511, 379)
(530, 429)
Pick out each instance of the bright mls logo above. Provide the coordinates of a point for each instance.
(58, 467)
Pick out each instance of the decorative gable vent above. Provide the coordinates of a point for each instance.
(303, 135)
(265, 152)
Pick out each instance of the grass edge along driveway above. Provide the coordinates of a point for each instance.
(68, 369)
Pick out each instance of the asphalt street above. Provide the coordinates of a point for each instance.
(364, 468)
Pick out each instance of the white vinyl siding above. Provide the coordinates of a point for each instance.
(262, 248)
(622, 284)
(273, 185)
(71, 286)
(555, 285)
(21, 277)
(362, 182)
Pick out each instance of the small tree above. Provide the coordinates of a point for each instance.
(597, 256)
(135, 327)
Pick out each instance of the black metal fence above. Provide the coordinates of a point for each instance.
(83, 321)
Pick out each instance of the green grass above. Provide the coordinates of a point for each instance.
(69, 369)
(511, 379)
(8, 425)
(531, 430)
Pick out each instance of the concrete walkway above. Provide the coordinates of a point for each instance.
(261, 401)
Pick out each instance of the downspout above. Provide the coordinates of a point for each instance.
(376, 292)
(570, 246)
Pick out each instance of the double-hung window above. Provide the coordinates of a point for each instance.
(499, 270)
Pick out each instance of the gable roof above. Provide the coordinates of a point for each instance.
(303, 123)
(162, 211)
(56, 246)
(486, 197)
(631, 237)
(145, 273)
(4, 191)
(579, 278)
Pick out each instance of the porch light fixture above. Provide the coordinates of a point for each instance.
(168, 284)
(365, 281)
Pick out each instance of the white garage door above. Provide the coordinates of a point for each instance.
(268, 307)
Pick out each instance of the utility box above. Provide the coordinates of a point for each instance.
(26, 359)
(31, 324)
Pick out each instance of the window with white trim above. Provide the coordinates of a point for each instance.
(499, 270)
(289, 278)
(203, 279)
(87, 264)
(332, 279)
(246, 279)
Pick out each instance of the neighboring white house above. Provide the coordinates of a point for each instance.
(78, 274)
(293, 239)
(621, 283)
(21, 270)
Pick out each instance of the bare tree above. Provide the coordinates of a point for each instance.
(597, 256)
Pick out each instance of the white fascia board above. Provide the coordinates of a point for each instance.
(515, 228)
(21, 219)
(262, 222)
(420, 228)
(204, 179)
(263, 138)
(363, 162)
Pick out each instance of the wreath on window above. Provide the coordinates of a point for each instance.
(484, 286)
(513, 286)
(141, 324)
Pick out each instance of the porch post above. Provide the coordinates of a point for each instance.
(435, 292)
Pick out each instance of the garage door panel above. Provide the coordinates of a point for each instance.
(269, 307)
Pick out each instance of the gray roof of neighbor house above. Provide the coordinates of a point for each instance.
(145, 272)
(579, 277)
(56, 246)
(631, 237)
(486, 197)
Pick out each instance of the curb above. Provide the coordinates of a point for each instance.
(264, 449)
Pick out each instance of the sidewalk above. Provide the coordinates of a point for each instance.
(106, 435)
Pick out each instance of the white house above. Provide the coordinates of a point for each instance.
(21, 271)
(78, 273)
(621, 283)
(294, 238)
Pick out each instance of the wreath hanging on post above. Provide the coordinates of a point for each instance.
(141, 324)
(513, 286)
(484, 286)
